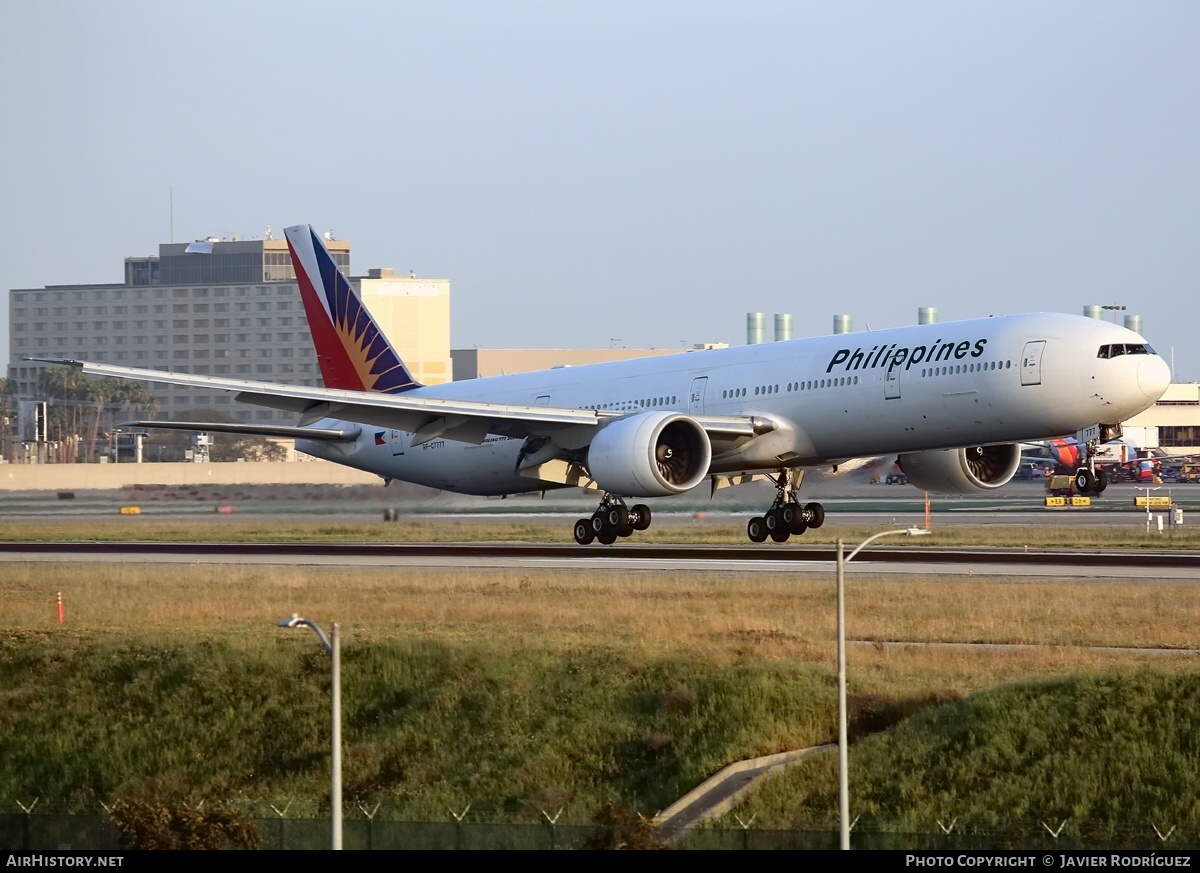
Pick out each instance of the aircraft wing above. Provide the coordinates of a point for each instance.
(329, 434)
(427, 418)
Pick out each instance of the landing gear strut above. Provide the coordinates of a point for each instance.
(611, 520)
(1089, 480)
(786, 516)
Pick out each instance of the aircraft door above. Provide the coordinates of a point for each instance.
(891, 383)
(696, 397)
(1031, 363)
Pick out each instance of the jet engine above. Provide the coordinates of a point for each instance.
(650, 455)
(961, 471)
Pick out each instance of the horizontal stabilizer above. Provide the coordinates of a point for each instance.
(267, 430)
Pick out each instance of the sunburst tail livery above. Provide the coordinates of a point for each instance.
(354, 354)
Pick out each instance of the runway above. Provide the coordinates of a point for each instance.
(1183, 567)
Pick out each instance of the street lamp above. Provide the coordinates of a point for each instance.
(843, 745)
(1147, 489)
(333, 647)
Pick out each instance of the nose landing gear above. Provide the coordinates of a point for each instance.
(1089, 480)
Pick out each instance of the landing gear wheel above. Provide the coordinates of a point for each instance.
(773, 520)
(756, 529)
(816, 515)
(1101, 481)
(1084, 481)
(787, 515)
(642, 511)
(617, 518)
(583, 532)
(607, 537)
(597, 522)
(798, 525)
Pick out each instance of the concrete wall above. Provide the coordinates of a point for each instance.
(107, 477)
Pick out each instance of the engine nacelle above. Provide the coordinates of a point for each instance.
(650, 455)
(961, 471)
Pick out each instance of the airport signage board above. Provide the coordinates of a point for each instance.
(1162, 502)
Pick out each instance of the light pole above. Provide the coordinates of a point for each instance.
(333, 647)
(843, 745)
(1147, 489)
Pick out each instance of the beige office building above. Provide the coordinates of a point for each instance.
(233, 312)
(1176, 415)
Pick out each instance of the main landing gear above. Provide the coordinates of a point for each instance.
(786, 515)
(613, 519)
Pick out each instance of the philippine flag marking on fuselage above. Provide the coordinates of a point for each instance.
(379, 440)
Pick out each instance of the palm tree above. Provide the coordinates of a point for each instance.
(65, 391)
(101, 392)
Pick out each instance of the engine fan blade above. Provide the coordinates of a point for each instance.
(673, 462)
(983, 466)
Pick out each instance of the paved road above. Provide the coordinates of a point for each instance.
(1180, 567)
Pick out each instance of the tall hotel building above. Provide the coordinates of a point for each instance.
(234, 312)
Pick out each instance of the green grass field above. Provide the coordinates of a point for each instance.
(515, 692)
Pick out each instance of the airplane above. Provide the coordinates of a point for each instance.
(1117, 459)
(953, 401)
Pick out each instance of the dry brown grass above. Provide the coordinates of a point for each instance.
(717, 617)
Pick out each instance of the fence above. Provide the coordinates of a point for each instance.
(41, 832)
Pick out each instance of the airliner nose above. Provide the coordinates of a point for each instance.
(1154, 376)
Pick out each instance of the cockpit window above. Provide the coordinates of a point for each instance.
(1115, 350)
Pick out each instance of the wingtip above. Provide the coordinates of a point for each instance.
(65, 362)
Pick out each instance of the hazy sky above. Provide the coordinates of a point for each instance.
(641, 171)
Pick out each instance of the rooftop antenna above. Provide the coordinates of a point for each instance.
(269, 234)
(329, 237)
(171, 209)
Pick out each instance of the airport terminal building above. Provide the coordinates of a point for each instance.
(1176, 417)
(233, 311)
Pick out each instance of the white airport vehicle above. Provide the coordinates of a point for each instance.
(953, 401)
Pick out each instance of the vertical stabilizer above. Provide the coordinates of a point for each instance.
(352, 351)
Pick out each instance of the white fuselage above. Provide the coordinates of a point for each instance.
(909, 389)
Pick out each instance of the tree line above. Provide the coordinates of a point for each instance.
(81, 412)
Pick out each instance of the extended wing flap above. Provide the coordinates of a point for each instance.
(339, 435)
